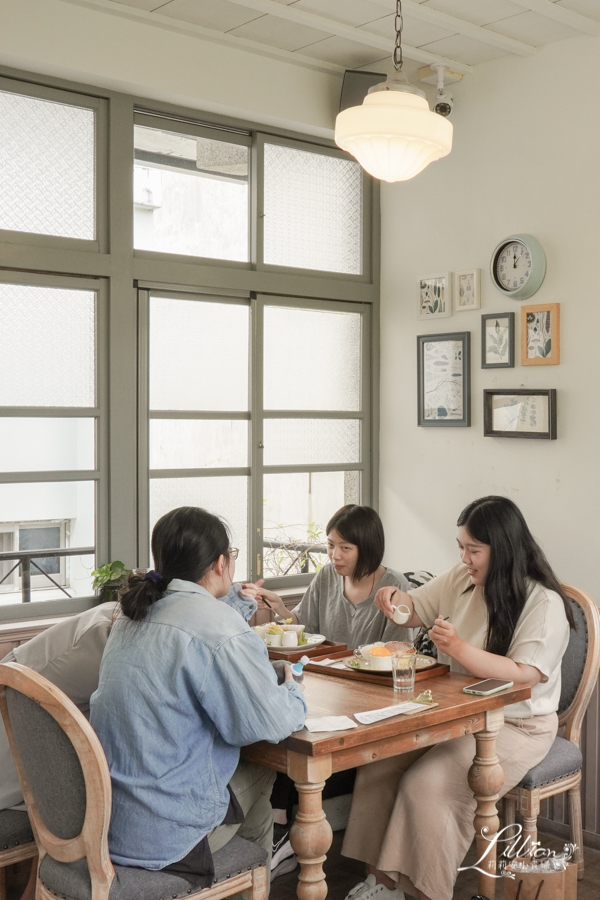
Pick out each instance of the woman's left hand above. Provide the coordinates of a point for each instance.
(445, 636)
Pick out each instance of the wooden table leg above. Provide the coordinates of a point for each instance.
(311, 833)
(486, 777)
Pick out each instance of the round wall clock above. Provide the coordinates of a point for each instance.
(518, 266)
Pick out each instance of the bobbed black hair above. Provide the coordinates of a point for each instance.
(362, 526)
(516, 559)
(186, 542)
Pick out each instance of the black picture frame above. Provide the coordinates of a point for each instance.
(511, 341)
(427, 357)
(547, 434)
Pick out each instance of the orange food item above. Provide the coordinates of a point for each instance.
(380, 651)
(400, 647)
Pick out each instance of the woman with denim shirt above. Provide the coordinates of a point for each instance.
(184, 684)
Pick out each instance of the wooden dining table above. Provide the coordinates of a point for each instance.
(309, 758)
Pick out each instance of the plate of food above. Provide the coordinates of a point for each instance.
(314, 639)
(378, 657)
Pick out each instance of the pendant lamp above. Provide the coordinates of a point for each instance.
(393, 134)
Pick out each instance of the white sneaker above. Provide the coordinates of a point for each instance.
(370, 890)
(365, 885)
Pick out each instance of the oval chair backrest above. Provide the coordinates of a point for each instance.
(51, 765)
(573, 662)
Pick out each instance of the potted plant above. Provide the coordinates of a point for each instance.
(109, 578)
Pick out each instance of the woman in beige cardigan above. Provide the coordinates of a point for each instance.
(501, 613)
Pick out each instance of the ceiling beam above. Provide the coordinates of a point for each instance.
(460, 26)
(208, 34)
(565, 16)
(358, 35)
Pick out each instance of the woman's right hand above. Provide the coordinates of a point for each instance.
(289, 676)
(384, 600)
(274, 601)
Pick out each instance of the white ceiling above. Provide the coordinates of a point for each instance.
(349, 34)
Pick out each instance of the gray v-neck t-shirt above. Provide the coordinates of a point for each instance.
(325, 610)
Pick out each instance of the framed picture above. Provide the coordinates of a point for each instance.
(443, 374)
(435, 296)
(540, 335)
(498, 341)
(522, 413)
(467, 290)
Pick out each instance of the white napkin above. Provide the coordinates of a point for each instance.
(329, 723)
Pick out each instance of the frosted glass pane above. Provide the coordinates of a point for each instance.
(198, 355)
(297, 508)
(226, 497)
(312, 359)
(190, 195)
(295, 442)
(312, 206)
(46, 445)
(47, 346)
(193, 444)
(47, 167)
(25, 508)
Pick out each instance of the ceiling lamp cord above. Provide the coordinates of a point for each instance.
(393, 134)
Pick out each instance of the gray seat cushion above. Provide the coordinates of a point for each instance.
(14, 829)
(563, 759)
(71, 881)
(574, 659)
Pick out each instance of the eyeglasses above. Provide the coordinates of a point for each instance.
(234, 552)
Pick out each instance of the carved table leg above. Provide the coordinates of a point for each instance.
(485, 780)
(311, 834)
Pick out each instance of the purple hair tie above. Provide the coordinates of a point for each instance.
(153, 576)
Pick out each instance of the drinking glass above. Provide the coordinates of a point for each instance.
(403, 672)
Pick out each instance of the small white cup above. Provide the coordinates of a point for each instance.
(273, 640)
(289, 639)
(401, 614)
(364, 652)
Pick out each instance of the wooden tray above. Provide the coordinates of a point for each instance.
(324, 650)
(356, 675)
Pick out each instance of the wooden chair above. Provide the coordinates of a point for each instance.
(16, 842)
(560, 771)
(66, 785)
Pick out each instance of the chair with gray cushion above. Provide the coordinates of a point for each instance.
(560, 771)
(66, 785)
(16, 842)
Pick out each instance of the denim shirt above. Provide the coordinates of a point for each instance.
(179, 694)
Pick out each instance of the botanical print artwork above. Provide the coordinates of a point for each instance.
(433, 296)
(539, 334)
(520, 413)
(496, 341)
(443, 380)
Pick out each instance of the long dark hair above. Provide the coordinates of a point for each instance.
(362, 526)
(515, 558)
(186, 542)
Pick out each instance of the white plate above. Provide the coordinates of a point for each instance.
(313, 639)
(423, 662)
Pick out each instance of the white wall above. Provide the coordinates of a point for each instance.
(525, 159)
(89, 45)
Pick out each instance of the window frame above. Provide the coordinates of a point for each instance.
(259, 216)
(98, 474)
(99, 244)
(255, 416)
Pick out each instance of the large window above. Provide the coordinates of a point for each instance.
(258, 411)
(186, 310)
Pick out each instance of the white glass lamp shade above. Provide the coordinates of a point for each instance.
(393, 135)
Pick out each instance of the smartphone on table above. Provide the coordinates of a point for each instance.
(487, 687)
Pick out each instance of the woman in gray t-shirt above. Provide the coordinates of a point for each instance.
(339, 602)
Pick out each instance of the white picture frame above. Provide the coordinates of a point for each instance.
(434, 294)
(467, 290)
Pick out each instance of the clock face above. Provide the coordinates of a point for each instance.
(512, 266)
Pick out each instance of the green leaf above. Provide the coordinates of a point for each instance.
(548, 347)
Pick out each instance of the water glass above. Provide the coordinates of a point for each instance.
(403, 672)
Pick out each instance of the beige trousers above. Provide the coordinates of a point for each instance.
(412, 815)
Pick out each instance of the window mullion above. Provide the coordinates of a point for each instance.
(255, 507)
